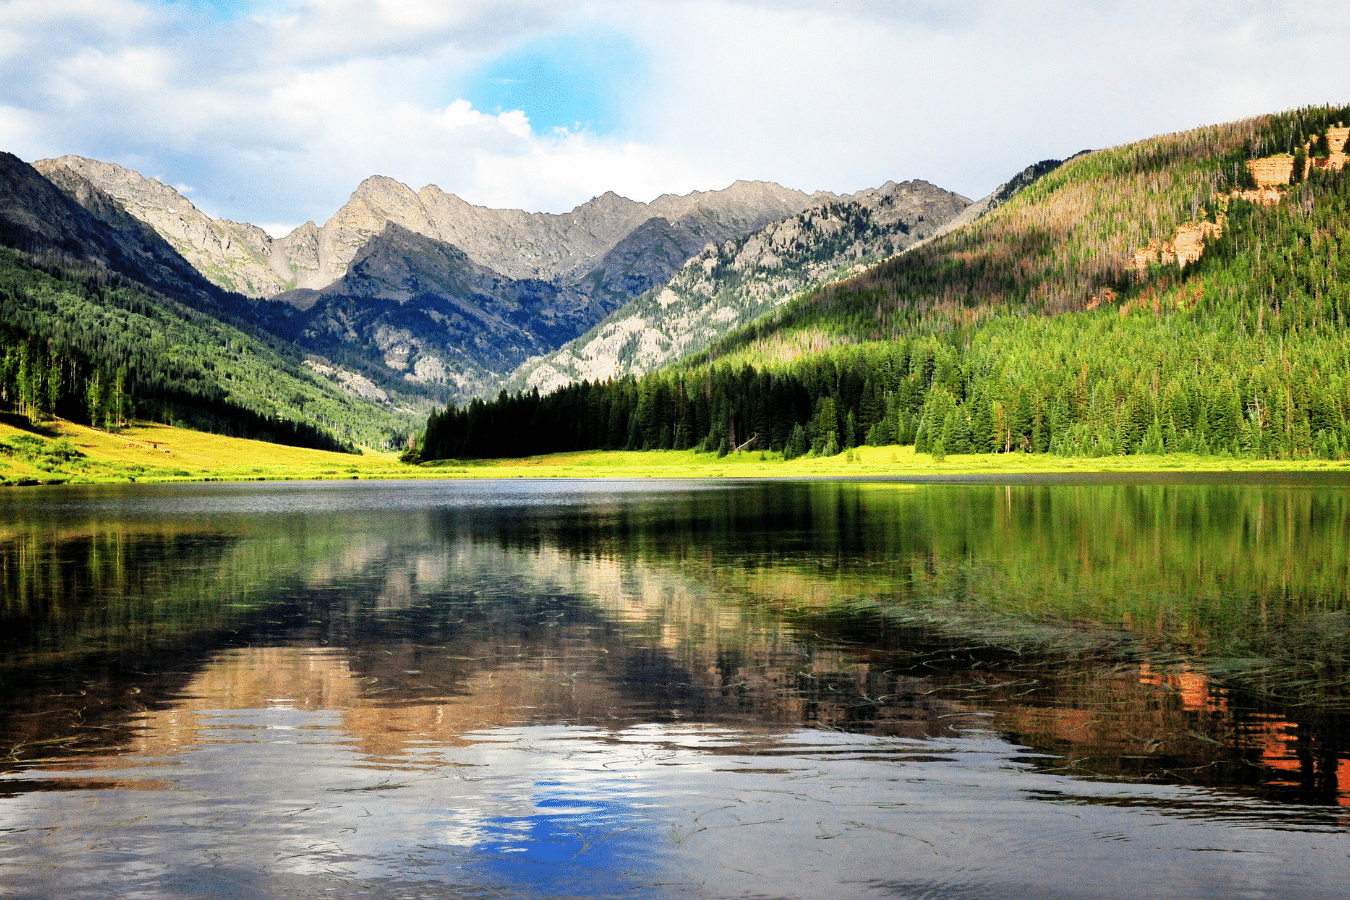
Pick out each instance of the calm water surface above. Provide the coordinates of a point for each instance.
(1047, 689)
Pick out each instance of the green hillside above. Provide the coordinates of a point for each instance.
(1031, 330)
(94, 347)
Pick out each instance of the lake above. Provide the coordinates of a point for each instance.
(1091, 687)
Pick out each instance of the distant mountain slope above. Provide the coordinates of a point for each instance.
(350, 296)
(435, 317)
(85, 303)
(735, 281)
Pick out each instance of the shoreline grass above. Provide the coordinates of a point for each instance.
(66, 453)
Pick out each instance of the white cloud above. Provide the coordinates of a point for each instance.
(844, 95)
(324, 31)
(515, 122)
(277, 115)
(134, 71)
(105, 17)
(22, 130)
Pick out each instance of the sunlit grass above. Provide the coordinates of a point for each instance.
(864, 462)
(159, 453)
(152, 452)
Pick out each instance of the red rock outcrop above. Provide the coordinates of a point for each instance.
(1271, 174)
(1271, 171)
(1185, 247)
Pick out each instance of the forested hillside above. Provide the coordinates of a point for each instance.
(1033, 330)
(93, 347)
(102, 321)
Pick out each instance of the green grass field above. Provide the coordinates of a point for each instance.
(862, 463)
(63, 452)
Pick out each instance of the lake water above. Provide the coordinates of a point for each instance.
(1048, 688)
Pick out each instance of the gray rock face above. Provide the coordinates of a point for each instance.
(567, 247)
(435, 318)
(728, 284)
(237, 257)
(77, 219)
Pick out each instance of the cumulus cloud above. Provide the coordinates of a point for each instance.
(843, 95)
(277, 112)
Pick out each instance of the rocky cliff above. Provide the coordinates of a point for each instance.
(235, 256)
(570, 247)
(734, 281)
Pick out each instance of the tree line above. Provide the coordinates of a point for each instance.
(38, 381)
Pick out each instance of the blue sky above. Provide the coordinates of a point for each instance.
(273, 111)
(575, 81)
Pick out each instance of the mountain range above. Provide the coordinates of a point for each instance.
(731, 283)
(101, 319)
(418, 296)
(405, 300)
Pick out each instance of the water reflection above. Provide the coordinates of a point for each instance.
(660, 690)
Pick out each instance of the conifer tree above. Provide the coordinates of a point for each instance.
(797, 443)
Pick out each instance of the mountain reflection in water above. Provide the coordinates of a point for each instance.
(661, 689)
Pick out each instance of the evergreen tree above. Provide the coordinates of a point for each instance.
(52, 387)
(24, 384)
(796, 444)
(826, 422)
(831, 447)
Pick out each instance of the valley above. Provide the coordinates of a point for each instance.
(426, 296)
(1058, 315)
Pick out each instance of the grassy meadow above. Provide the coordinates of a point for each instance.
(864, 462)
(63, 452)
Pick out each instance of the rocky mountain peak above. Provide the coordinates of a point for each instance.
(583, 245)
(236, 256)
(388, 200)
(131, 189)
(60, 210)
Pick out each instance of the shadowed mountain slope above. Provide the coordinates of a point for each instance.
(101, 315)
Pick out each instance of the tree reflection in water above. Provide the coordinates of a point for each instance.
(675, 639)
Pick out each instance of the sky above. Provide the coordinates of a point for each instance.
(273, 111)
